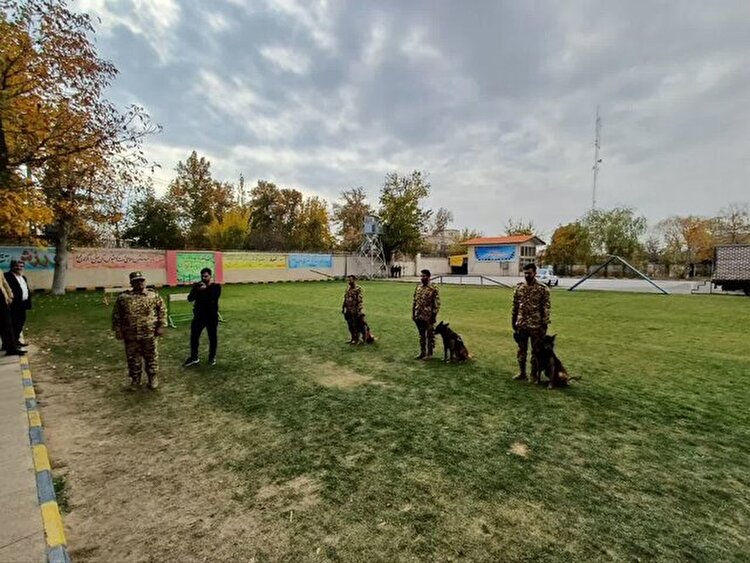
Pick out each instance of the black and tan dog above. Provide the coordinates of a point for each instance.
(452, 343)
(551, 365)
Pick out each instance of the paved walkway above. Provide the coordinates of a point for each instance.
(21, 529)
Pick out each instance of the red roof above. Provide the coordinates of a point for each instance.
(515, 239)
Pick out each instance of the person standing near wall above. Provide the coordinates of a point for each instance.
(205, 298)
(138, 318)
(19, 285)
(6, 326)
(424, 310)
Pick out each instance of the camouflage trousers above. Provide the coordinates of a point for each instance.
(142, 353)
(536, 336)
(426, 336)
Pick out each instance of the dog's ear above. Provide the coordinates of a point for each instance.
(446, 324)
(552, 338)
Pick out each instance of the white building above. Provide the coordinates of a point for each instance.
(501, 256)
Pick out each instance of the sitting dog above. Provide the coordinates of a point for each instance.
(452, 343)
(367, 336)
(551, 365)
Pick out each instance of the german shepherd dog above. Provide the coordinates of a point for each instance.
(452, 343)
(551, 365)
(367, 336)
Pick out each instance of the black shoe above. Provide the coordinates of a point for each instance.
(191, 362)
(15, 353)
(212, 362)
(22, 343)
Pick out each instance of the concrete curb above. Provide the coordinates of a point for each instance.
(57, 550)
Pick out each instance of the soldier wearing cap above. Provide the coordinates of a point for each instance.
(138, 318)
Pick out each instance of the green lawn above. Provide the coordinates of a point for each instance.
(646, 458)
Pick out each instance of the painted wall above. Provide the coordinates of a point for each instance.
(435, 265)
(493, 264)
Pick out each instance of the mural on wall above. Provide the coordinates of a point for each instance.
(190, 264)
(253, 261)
(34, 258)
(124, 258)
(308, 261)
(499, 253)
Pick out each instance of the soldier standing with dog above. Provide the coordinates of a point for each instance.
(353, 310)
(531, 307)
(138, 318)
(424, 311)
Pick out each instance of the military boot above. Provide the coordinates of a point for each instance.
(153, 381)
(522, 372)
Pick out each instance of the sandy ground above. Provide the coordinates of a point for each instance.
(141, 490)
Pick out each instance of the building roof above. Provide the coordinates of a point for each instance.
(515, 239)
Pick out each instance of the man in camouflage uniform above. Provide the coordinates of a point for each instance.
(424, 312)
(138, 318)
(353, 310)
(531, 307)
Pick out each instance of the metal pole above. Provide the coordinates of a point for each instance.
(592, 273)
(664, 291)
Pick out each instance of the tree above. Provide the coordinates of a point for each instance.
(152, 223)
(264, 201)
(457, 246)
(313, 230)
(231, 232)
(403, 219)
(439, 243)
(350, 217)
(570, 245)
(733, 224)
(616, 231)
(53, 116)
(519, 227)
(198, 199)
(688, 240)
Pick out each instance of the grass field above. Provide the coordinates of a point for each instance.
(298, 447)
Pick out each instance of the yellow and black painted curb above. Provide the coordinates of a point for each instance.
(57, 550)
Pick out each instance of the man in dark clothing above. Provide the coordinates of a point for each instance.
(21, 298)
(205, 297)
(6, 327)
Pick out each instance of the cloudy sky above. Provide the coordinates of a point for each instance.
(496, 100)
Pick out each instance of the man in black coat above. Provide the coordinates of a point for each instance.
(21, 298)
(205, 298)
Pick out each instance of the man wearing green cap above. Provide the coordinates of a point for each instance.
(139, 317)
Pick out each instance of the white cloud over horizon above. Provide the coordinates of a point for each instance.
(495, 100)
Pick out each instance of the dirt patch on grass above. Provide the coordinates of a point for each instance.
(340, 377)
(297, 494)
(147, 474)
(519, 449)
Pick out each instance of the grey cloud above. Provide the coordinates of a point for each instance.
(495, 100)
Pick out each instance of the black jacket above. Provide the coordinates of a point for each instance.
(16, 287)
(205, 301)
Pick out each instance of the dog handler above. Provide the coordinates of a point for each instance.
(424, 311)
(531, 306)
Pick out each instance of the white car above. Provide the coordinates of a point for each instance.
(546, 276)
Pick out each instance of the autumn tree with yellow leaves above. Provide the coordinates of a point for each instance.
(66, 153)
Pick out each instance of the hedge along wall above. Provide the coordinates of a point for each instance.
(109, 267)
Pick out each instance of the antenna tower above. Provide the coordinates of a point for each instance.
(597, 160)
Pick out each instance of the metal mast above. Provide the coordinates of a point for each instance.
(597, 160)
